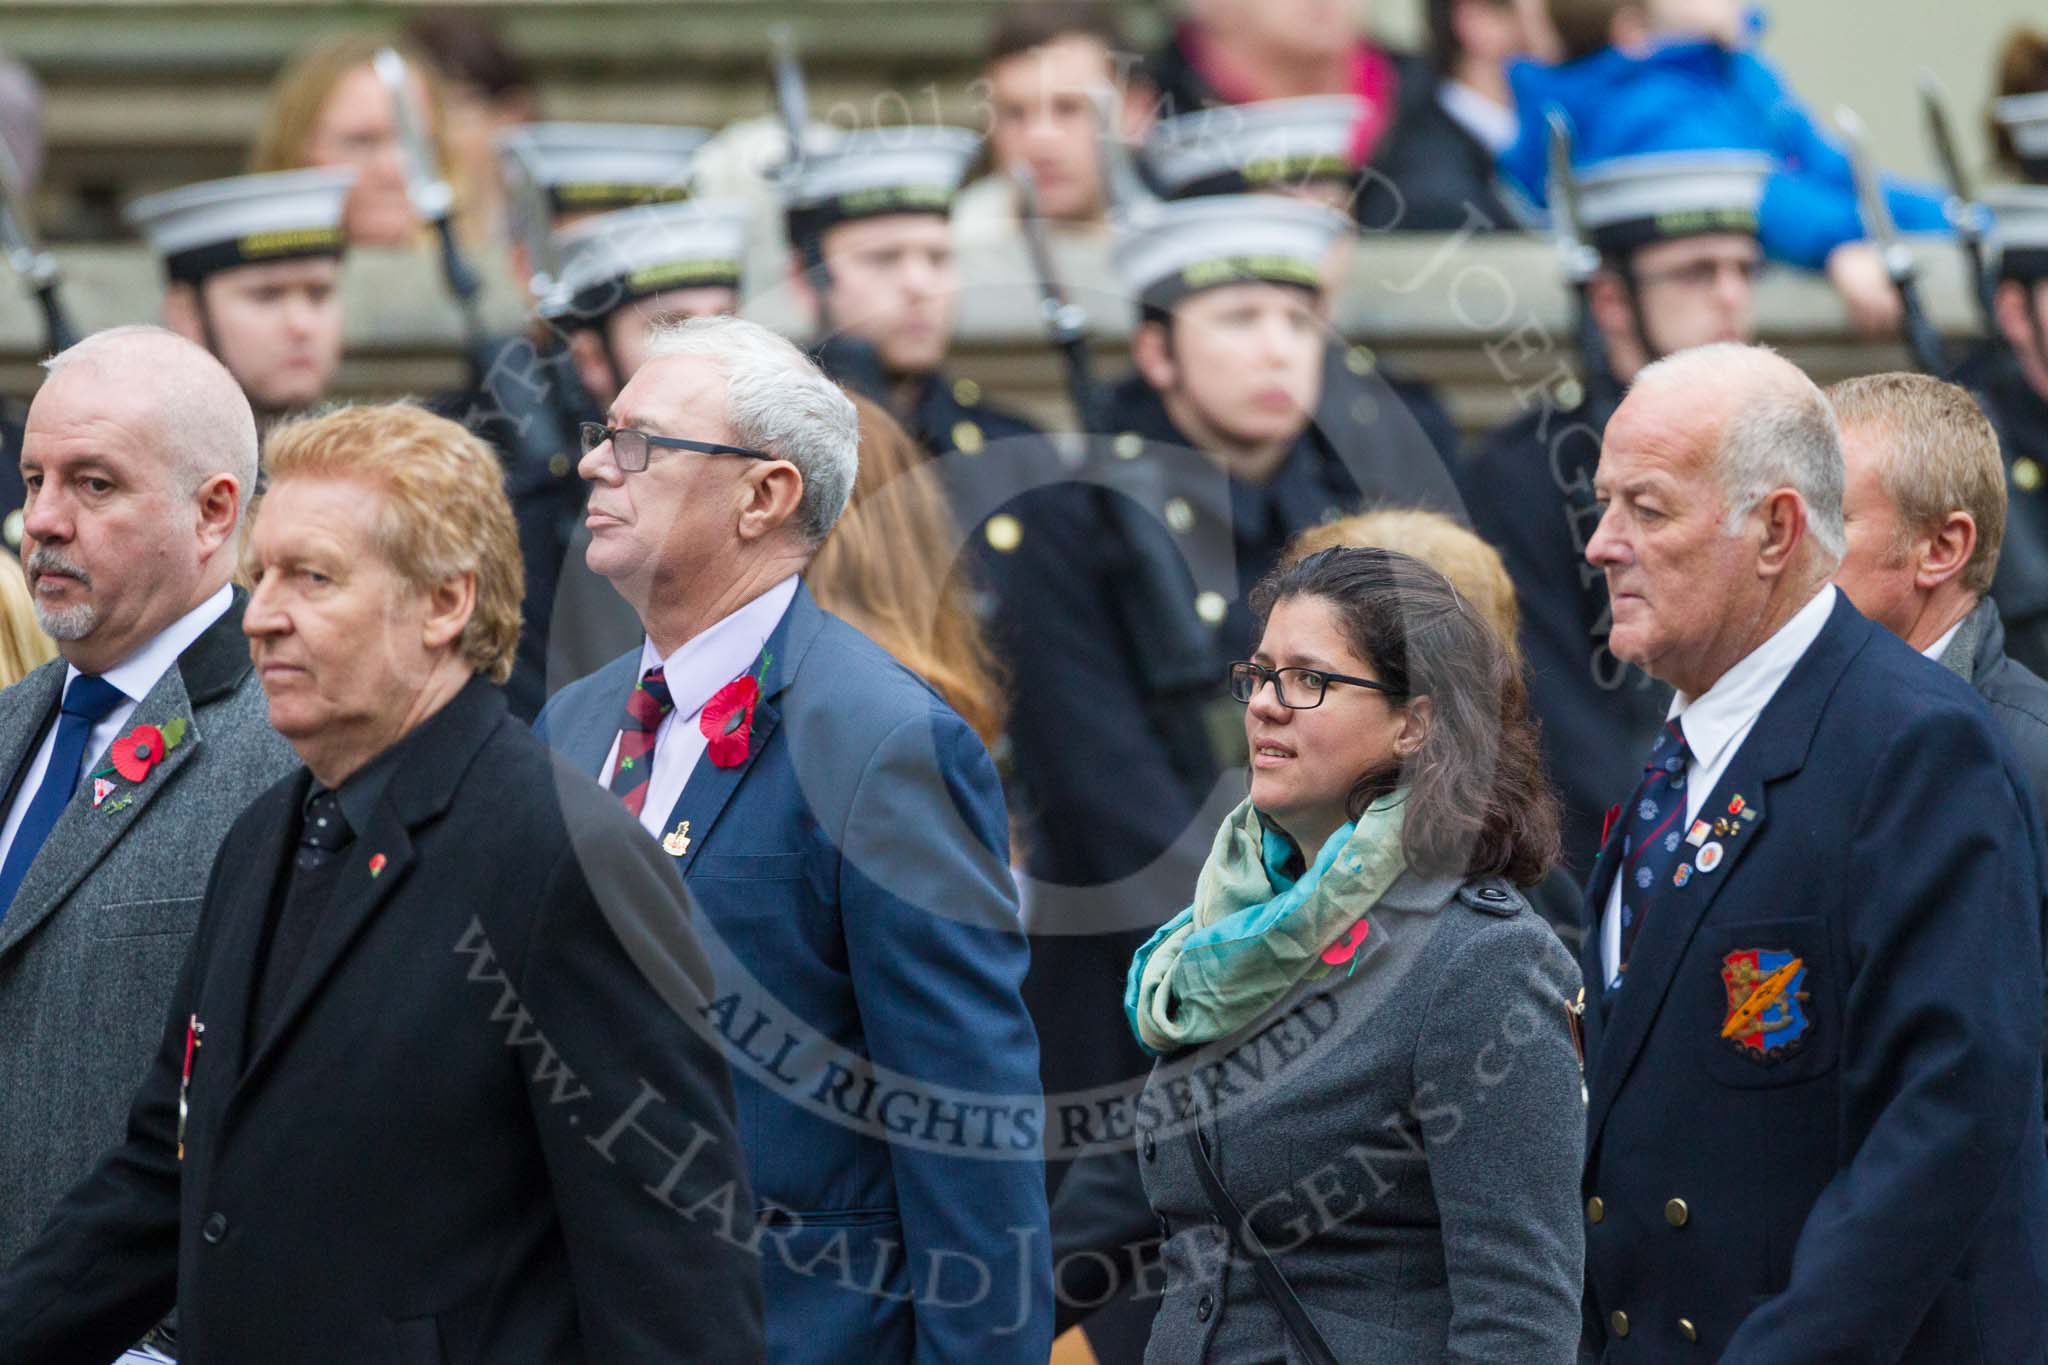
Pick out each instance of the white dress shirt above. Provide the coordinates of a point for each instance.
(1715, 724)
(1940, 647)
(1493, 126)
(706, 662)
(133, 677)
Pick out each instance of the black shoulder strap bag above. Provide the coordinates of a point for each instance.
(1271, 1282)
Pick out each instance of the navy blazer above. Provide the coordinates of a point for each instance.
(1860, 1175)
(855, 895)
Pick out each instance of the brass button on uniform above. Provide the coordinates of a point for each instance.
(966, 392)
(1004, 532)
(1676, 1213)
(1128, 446)
(558, 464)
(1617, 1322)
(10, 530)
(1687, 1330)
(967, 438)
(1179, 515)
(1360, 360)
(1211, 607)
(2026, 474)
(1596, 1209)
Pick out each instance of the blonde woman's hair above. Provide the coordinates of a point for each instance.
(443, 512)
(23, 646)
(887, 569)
(1473, 566)
(301, 90)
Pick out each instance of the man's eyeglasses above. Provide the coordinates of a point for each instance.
(1299, 689)
(630, 447)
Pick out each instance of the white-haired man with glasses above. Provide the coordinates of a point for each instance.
(844, 834)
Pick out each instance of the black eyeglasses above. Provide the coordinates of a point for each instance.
(630, 447)
(1299, 689)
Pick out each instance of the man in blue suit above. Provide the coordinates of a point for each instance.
(1813, 958)
(844, 835)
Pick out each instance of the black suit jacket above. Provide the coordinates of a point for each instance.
(481, 1129)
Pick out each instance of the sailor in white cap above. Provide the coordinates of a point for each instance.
(872, 251)
(1676, 236)
(2009, 377)
(529, 400)
(252, 269)
(625, 272)
(1304, 147)
(2022, 122)
(1119, 614)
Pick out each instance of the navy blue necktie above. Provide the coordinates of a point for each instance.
(88, 700)
(1655, 821)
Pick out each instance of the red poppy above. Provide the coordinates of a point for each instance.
(728, 721)
(376, 863)
(1346, 946)
(136, 752)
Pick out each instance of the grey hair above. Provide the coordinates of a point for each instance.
(198, 414)
(1780, 433)
(778, 401)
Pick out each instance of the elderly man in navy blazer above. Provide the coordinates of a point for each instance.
(844, 835)
(1813, 957)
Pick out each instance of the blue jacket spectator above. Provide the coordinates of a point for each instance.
(1689, 94)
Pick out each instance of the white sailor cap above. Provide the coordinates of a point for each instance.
(1629, 202)
(620, 257)
(1274, 144)
(247, 220)
(877, 171)
(2017, 244)
(2025, 120)
(596, 167)
(1185, 246)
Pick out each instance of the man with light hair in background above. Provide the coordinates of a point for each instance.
(843, 834)
(1815, 922)
(1926, 514)
(123, 763)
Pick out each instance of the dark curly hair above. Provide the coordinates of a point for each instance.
(1480, 803)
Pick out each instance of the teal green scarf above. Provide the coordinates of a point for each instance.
(1253, 932)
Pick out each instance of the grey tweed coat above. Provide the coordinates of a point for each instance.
(92, 946)
(1406, 1140)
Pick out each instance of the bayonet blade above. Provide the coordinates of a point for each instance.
(431, 196)
(1877, 214)
(1581, 261)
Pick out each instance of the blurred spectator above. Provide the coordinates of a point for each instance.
(328, 108)
(23, 645)
(486, 88)
(1679, 75)
(2019, 119)
(1244, 51)
(21, 129)
(1452, 119)
(21, 120)
(1046, 61)
(887, 570)
(1474, 567)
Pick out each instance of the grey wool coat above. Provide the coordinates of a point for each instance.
(1405, 1139)
(91, 948)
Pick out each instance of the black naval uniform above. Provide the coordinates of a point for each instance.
(999, 454)
(1598, 715)
(1993, 374)
(527, 408)
(12, 492)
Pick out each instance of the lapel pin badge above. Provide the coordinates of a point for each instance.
(676, 842)
(377, 862)
(1682, 875)
(1697, 835)
(1709, 857)
(1735, 804)
(101, 790)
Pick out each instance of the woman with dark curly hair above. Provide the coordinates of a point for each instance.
(1365, 1035)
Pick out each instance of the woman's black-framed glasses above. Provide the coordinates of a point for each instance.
(630, 447)
(1299, 689)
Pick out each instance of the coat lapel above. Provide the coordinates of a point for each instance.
(1775, 749)
(230, 991)
(420, 789)
(85, 833)
(584, 734)
(710, 787)
(26, 711)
